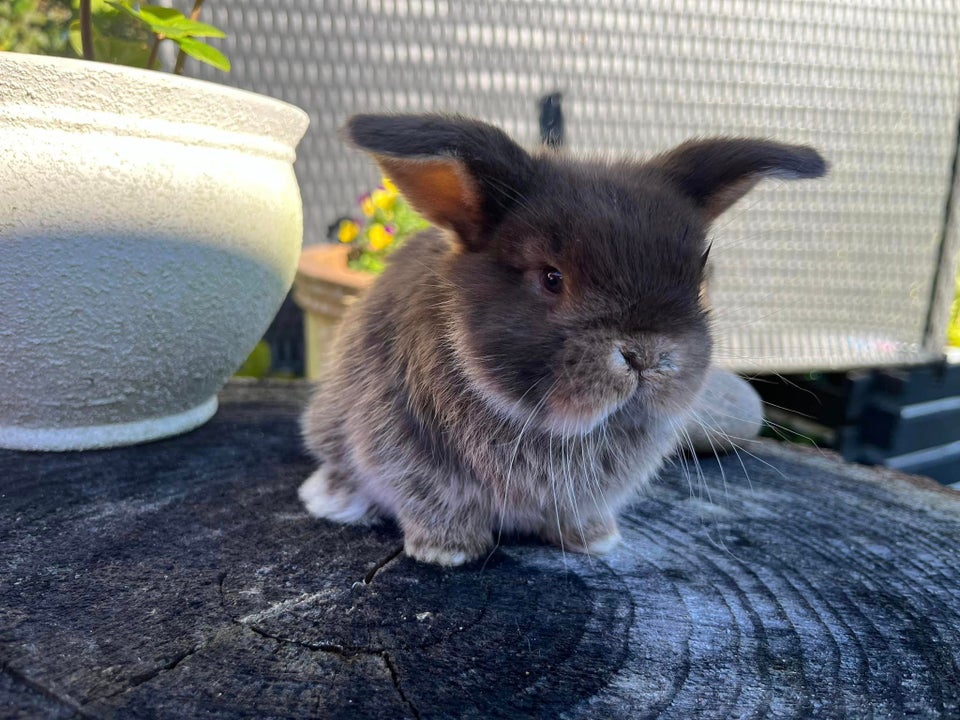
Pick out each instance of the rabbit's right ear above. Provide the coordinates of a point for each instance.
(715, 173)
(459, 174)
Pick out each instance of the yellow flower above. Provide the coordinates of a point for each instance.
(388, 185)
(384, 200)
(367, 206)
(379, 237)
(348, 231)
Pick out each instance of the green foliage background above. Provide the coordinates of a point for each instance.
(123, 31)
(35, 26)
(953, 332)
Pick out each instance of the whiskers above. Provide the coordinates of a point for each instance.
(555, 467)
(719, 440)
(503, 509)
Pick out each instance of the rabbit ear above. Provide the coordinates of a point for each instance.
(460, 174)
(716, 173)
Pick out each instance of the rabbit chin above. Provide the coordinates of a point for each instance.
(574, 424)
(576, 419)
(543, 414)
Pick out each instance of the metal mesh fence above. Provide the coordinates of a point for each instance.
(832, 273)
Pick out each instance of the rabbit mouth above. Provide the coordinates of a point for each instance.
(641, 395)
(569, 417)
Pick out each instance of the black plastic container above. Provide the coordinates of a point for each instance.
(904, 418)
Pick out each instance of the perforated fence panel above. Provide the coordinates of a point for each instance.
(824, 274)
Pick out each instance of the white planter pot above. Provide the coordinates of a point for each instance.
(150, 227)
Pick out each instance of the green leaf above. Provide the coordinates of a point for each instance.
(123, 5)
(204, 53)
(176, 24)
(157, 13)
(169, 22)
(101, 7)
(195, 28)
(119, 51)
(408, 220)
(257, 364)
(367, 262)
(113, 21)
(75, 41)
(953, 330)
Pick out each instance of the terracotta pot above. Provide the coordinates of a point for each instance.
(325, 288)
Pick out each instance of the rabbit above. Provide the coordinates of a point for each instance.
(525, 365)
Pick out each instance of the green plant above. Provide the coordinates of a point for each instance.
(34, 26)
(953, 329)
(385, 221)
(128, 32)
(257, 365)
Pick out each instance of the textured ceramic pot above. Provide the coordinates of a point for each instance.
(150, 227)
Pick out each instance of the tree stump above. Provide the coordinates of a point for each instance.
(182, 579)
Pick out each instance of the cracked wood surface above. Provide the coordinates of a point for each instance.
(182, 579)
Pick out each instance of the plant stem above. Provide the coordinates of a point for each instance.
(152, 60)
(86, 29)
(182, 56)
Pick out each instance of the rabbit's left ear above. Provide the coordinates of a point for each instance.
(715, 173)
(460, 174)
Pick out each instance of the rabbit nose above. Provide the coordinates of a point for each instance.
(645, 365)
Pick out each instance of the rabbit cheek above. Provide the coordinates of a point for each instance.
(671, 386)
(507, 363)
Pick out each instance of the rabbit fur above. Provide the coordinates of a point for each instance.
(524, 366)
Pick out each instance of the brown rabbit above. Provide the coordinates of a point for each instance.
(525, 366)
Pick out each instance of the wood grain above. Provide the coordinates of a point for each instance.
(182, 579)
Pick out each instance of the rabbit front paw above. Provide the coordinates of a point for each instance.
(448, 546)
(593, 536)
(325, 494)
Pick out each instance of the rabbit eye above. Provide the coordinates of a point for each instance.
(551, 279)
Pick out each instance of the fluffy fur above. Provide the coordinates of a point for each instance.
(467, 398)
